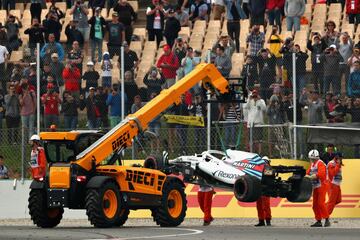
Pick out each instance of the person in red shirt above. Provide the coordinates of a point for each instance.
(335, 179)
(168, 63)
(317, 173)
(38, 161)
(353, 11)
(72, 77)
(51, 101)
(274, 9)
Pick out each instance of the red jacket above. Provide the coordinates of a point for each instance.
(173, 61)
(271, 4)
(51, 103)
(352, 6)
(72, 79)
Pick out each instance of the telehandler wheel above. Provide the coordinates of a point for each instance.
(103, 205)
(41, 215)
(123, 217)
(173, 207)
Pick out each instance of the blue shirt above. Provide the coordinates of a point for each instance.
(115, 104)
(238, 3)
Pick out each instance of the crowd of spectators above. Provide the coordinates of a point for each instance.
(329, 92)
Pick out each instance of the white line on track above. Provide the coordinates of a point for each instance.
(191, 232)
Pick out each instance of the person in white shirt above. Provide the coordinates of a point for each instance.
(4, 53)
(256, 108)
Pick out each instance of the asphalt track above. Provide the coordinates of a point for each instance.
(216, 231)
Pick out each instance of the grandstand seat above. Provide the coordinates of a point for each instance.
(135, 5)
(20, 6)
(150, 45)
(16, 56)
(141, 32)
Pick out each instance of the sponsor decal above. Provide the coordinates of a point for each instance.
(120, 142)
(223, 174)
(185, 120)
(244, 165)
(140, 177)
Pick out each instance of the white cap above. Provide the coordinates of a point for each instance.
(90, 63)
(266, 159)
(333, 46)
(313, 154)
(35, 138)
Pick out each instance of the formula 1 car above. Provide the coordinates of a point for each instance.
(247, 174)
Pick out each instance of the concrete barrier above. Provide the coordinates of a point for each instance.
(13, 203)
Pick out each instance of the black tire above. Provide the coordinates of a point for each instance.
(103, 212)
(154, 162)
(123, 217)
(40, 214)
(167, 215)
(247, 189)
(301, 190)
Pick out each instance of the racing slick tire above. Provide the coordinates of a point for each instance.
(103, 205)
(247, 188)
(301, 190)
(41, 215)
(173, 207)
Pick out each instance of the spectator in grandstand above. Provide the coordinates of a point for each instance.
(92, 110)
(353, 108)
(100, 98)
(4, 55)
(198, 11)
(36, 35)
(97, 33)
(137, 104)
(250, 72)
(154, 80)
(345, 50)
(267, 72)
(172, 28)
(8, 5)
(257, 12)
(293, 10)
(127, 16)
(55, 10)
(155, 16)
(116, 35)
(73, 34)
(275, 42)
(181, 130)
(72, 77)
(335, 110)
(168, 63)
(12, 114)
(354, 58)
(234, 13)
(198, 109)
(80, 13)
(331, 36)
(51, 79)
(231, 113)
(27, 100)
(3, 35)
(4, 172)
(75, 56)
(2, 108)
(182, 16)
(226, 42)
(179, 48)
(188, 64)
(329, 153)
(12, 26)
(51, 102)
(91, 77)
(274, 10)
(223, 61)
(316, 47)
(275, 115)
(256, 107)
(256, 40)
(167, 6)
(301, 58)
(51, 47)
(131, 60)
(69, 108)
(331, 59)
(114, 102)
(315, 106)
(218, 8)
(353, 11)
(106, 71)
(52, 26)
(131, 89)
(329, 106)
(57, 68)
(353, 84)
(35, 9)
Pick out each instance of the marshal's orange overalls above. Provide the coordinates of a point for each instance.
(38, 163)
(335, 178)
(263, 208)
(318, 168)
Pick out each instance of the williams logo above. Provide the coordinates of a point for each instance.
(222, 174)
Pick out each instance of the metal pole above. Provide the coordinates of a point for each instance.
(209, 115)
(251, 137)
(122, 84)
(22, 153)
(294, 102)
(38, 88)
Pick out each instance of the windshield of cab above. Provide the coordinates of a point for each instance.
(59, 151)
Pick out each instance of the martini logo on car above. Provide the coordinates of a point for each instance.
(244, 165)
(223, 174)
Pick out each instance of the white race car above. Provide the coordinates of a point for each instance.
(247, 174)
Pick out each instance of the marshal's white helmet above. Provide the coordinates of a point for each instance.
(314, 154)
(266, 159)
(35, 138)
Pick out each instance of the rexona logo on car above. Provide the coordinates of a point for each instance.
(223, 174)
